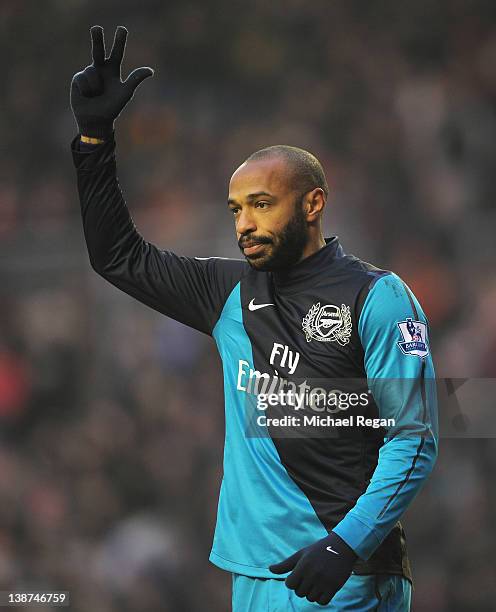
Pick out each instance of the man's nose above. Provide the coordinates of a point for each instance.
(245, 222)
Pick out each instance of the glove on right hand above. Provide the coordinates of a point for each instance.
(98, 93)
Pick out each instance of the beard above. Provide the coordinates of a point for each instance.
(284, 249)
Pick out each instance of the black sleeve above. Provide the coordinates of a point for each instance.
(190, 290)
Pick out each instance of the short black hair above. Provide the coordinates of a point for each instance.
(307, 171)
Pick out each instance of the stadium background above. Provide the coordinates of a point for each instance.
(111, 415)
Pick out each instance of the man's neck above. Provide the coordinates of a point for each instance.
(313, 245)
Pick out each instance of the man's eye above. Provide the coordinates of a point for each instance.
(234, 210)
(261, 205)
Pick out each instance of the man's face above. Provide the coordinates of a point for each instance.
(271, 227)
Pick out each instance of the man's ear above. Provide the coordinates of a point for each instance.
(314, 205)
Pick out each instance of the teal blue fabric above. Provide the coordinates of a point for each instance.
(259, 504)
(378, 593)
(410, 447)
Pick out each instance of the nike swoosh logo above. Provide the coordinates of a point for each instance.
(331, 549)
(253, 306)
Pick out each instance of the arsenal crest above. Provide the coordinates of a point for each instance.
(328, 323)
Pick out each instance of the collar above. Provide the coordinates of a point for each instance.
(294, 278)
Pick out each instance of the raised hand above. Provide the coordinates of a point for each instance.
(98, 93)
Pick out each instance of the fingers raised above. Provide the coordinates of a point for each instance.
(119, 45)
(137, 76)
(97, 45)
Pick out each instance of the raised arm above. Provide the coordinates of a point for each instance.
(98, 93)
(190, 290)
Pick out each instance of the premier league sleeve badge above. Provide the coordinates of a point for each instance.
(414, 335)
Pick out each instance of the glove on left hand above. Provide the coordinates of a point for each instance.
(319, 570)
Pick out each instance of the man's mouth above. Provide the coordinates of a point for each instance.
(252, 248)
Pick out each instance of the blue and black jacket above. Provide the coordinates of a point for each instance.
(329, 320)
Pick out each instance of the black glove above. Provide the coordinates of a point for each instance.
(319, 570)
(98, 93)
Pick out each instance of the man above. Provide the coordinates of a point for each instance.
(308, 515)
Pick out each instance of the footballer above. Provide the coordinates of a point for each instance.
(309, 508)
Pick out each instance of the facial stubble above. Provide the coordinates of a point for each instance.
(287, 246)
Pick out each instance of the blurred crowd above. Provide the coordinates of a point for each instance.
(111, 416)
